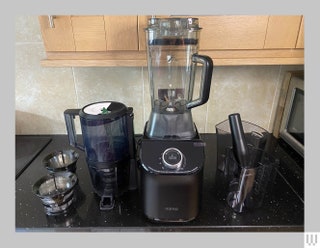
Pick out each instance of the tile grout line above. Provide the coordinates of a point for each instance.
(75, 86)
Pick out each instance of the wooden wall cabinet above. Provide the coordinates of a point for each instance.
(89, 33)
(252, 40)
(120, 40)
(282, 32)
(232, 32)
(58, 37)
(300, 41)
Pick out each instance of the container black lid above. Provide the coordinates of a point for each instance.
(103, 110)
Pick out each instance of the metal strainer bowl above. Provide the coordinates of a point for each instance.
(63, 160)
(56, 191)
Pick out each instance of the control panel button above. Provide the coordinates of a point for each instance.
(172, 158)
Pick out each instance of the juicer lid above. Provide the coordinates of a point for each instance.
(97, 108)
(103, 110)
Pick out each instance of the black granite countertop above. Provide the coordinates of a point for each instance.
(282, 210)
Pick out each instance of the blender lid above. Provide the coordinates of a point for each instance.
(173, 31)
(173, 24)
(103, 110)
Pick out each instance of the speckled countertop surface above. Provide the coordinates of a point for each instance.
(282, 209)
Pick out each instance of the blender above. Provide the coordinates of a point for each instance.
(171, 152)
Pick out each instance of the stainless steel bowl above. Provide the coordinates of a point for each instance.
(64, 160)
(56, 191)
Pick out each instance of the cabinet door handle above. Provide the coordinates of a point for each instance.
(51, 22)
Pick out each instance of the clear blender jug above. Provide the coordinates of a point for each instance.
(172, 46)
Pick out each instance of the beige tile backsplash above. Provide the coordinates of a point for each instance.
(42, 94)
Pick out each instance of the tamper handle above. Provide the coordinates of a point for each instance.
(240, 147)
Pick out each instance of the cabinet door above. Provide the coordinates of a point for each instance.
(300, 41)
(58, 37)
(89, 33)
(282, 31)
(142, 24)
(232, 32)
(121, 32)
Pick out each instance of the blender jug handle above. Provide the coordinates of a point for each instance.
(69, 116)
(206, 76)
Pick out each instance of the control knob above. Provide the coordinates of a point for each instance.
(172, 158)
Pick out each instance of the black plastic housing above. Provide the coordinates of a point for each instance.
(171, 195)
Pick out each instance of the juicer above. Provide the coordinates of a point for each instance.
(171, 151)
(108, 143)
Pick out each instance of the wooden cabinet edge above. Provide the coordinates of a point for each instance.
(91, 63)
(138, 58)
(141, 63)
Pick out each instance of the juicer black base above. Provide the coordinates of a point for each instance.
(171, 174)
(110, 180)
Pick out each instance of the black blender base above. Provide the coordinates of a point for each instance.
(171, 174)
(171, 198)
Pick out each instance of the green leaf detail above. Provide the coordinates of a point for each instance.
(104, 111)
